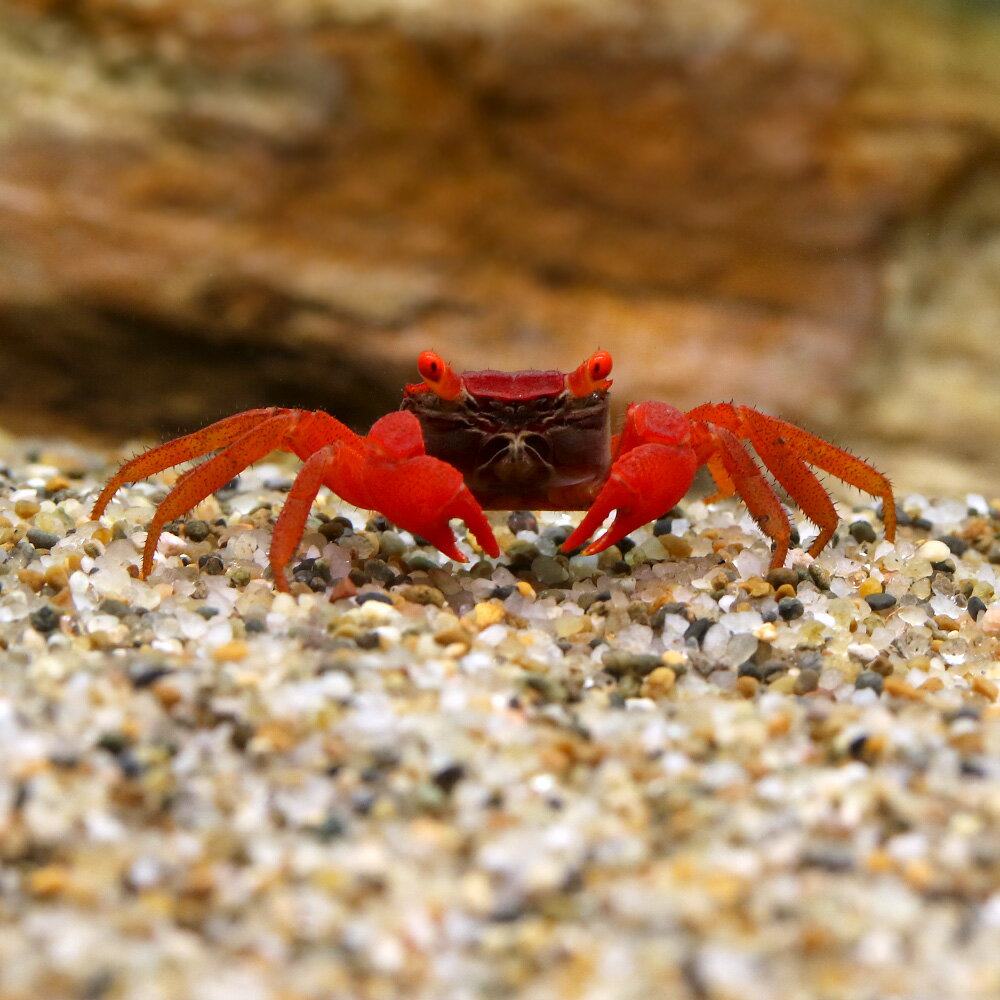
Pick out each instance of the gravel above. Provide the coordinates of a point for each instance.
(664, 771)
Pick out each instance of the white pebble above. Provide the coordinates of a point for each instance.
(934, 551)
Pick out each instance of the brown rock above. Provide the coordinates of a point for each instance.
(200, 213)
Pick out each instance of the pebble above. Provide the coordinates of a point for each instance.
(197, 530)
(934, 551)
(451, 789)
(790, 608)
(862, 531)
(42, 539)
(880, 602)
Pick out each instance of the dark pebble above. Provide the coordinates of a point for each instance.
(619, 663)
(975, 607)
(112, 606)
(144, 675)
(670, 608)
(522, 520)
(45, 619)
(780, 576)
(602, 595)
(502, 593)
(378, 523)
(206, 611)
(211, 564)
(881, 602)
(368, 640)
(373, 595)
(945, 566)
(870, 679)
(790, 608)
(381, 572)
(862, 531)
(197, 531)
(958, 546)
(750, 669)
(359, 578)
(625, 544)
(332, 530)
(448, 777)
(695, 632)
(663, 526)
(255, 625)
(42, 539)
(921, 523)
(819, 576)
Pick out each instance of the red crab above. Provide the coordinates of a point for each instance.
(510, 440)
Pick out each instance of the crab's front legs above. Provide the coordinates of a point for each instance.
(388, 471)
(653, 468)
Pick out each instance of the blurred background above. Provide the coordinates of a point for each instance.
(209, 205)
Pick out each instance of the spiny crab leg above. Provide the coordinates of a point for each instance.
(788, 450)
(206, 478)
(183, 449)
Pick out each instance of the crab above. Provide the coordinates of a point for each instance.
(492, 440)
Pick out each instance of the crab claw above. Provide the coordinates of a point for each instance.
(654, 469)
(386, 471)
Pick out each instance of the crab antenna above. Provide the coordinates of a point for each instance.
(439, 376)
(591, 376)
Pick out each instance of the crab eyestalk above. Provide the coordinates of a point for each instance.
(591, 376)
(439, 376)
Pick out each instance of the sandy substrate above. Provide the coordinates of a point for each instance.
(661, 771)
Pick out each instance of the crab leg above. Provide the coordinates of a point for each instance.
(183, 449)
(205, 479)
(788, 450)
(755, 491)
(653, 469)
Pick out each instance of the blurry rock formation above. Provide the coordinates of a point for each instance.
(208, 205)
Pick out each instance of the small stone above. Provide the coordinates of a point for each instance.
(112, 606)
(755, 586)
(869, 586)
(196, 530)
(975, 607)
(235, 650)
(391, 544)
(549, 570)
(790, 608)
(984, 686)
(522, 520)
(783, 577)
(870, 679)
(45, 619)
(422, 593)
(211, 565)
(862, 531)
(747, 686)
(675, 546)
(933, 551)
(819, 576)
(620, 663)
(807, 680)
(375, 595)
(42, 539)
(487, 613)
(880, 602)
(659, 683)
(663, 526)
(26, 508)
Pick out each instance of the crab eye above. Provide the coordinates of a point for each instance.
(438, 375)
(591, 376)
(599, 366)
